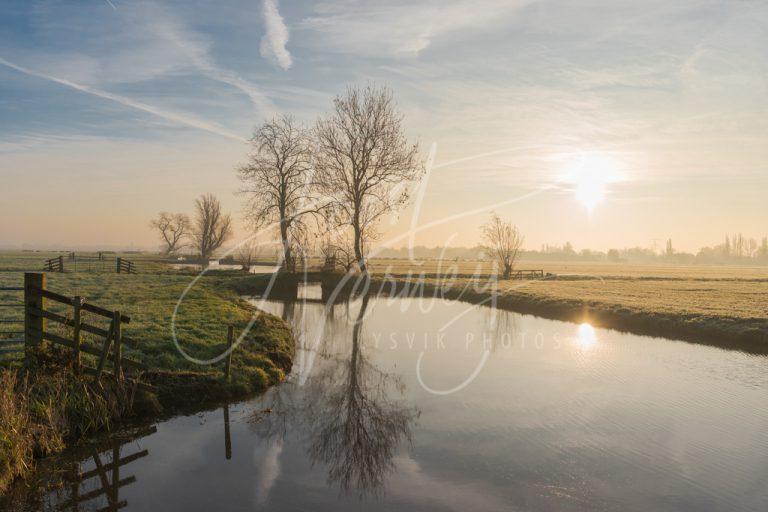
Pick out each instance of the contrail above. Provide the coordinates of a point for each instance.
(180, 119)
(111, 4)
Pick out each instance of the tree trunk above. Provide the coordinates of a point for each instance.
(507, 270)
(359, 249)
(287, 257)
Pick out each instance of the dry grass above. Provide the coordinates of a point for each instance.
(722, 305)
(581, 269)
(727, 291)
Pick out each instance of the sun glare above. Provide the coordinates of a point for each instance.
(589, 176)
(586, 337)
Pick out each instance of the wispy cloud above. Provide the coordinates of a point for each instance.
(276, 37)
(373, 28)
(173, 117)
(197, 50)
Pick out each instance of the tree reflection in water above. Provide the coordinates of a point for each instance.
(347, 415)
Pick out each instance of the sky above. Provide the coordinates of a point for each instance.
(603, 123)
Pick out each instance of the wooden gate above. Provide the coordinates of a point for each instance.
(37, 316)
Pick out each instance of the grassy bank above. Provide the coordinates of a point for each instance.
(653, 315)
(721, 305)
(150, 299)
(729, 312)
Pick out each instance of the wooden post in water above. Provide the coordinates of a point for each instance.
(34, 323)
(77, 304)
(228, 364)
(118, 340)
(227, 438)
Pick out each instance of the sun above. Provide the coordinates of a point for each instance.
(589, 175)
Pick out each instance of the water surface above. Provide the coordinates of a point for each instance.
(437, 405)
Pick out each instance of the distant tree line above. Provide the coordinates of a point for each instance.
(736, 249)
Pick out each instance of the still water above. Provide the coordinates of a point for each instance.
(408, 404)
(215, 265)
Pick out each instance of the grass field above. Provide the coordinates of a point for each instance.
(723, 305)
(564, 269)
(724, 300)
(149, 298)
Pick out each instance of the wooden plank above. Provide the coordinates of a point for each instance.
(50, 315)
(77, 303)
(55, 338)
(106, 467)
(92, 308)
(98, 492)
(104, 353)
(11, 288)
(48, 294)
(104, 312)
(88, 349)
(117, 334)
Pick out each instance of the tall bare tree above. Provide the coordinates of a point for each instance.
(173, 228)
(364, 161)
(211, 228)
(276, 180)
(502, 241)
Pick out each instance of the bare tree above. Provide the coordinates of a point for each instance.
(364, 162)
(212, 228)
(173, 228)
(247, 254)
(502, 241)
(276, 180)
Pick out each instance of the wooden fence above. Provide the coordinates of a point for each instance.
(526, 274)
(55, 264)
(88, 262)
(37, 316)
(125, 266)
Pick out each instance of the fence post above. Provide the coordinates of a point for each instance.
(118, 340)
(228, 364)
(77, 304)
(34, 324)
(61, 263)
(118, 265)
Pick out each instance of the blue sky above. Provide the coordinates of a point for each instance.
(135, 107)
